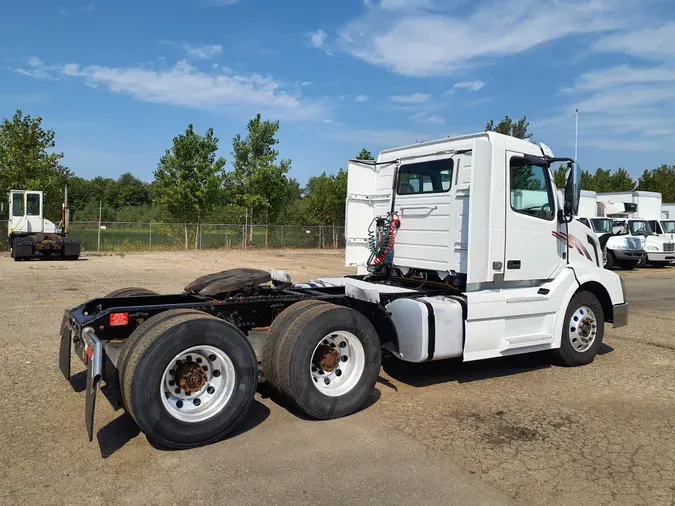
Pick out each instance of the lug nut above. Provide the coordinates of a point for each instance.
(171, 383)
(313, 369)
(177, 390)
(179, 404)
(344, 358)
(338, 373)
(196, 402)
(332, 345)
(189, 358)
(188, 394)
(320, 372)
(325, 342)
(343, 344)
(179, 362)
(210, 390)
(326, 381)
(205, 368)
(212, 357)
(172, 372)
(198, 360)
(216, 373)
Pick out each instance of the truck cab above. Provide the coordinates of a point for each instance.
(26, 214)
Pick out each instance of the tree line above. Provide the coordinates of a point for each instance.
(192, 184)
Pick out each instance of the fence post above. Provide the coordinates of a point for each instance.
(266, 230)
(282, 236)
(200, 236)
(321, 236)
(150, 236)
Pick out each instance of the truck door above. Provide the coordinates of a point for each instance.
(34, 211)
(533, 251)
(423, 201)
(17, 211)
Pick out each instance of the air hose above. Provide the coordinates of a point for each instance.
(381, 239)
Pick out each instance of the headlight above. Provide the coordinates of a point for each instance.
(652, 248)
(619, 247)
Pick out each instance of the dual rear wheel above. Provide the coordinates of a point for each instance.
(188, 378)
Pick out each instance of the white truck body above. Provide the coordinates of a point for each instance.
(466, 210)
(26, 214)
(618, 249)
(642, 213)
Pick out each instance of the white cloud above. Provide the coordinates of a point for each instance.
(205, 52)
(622, 75)
(397, 5)
(470, 85)
(415, 98)
(416, 42)
(224, 2)
(186, 85)
(318, 39)
(652, 43)
(306, 83)
(423, 117)
(362, 98)
(36, 69)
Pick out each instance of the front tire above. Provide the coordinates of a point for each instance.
(643, 261)
(328, 361)
(583, 330)
(611, 260)
(189, 380)
(660, 265)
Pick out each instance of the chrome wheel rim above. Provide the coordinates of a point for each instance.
(197, 384)
(583, 329)
(337, 363)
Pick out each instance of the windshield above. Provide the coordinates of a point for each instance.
(601, 226)
(640, 228)
(668, 226)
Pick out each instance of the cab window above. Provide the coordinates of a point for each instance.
(425, 177)
(531, 191)
(17, 204)
(33, 204)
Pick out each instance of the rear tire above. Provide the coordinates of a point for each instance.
(274, 335)
(129, 292)
(642, 262)
(582, 331)
(660, 265)
(311, 366)
(184, 420)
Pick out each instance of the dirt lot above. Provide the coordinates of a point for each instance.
(490, 432)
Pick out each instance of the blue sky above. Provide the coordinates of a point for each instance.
(118, 79)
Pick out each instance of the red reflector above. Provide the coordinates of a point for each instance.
(119, 319)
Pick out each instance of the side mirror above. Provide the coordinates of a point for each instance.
(572, 189)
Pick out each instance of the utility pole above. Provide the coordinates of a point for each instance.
(576, 136)
(100, 209)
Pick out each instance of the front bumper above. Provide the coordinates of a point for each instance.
(620, 313)
(628, 254)
(660, 256)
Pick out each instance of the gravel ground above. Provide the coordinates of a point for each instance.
(490, 432)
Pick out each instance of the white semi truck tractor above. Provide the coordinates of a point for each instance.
(30, 234)
(639, 212)
(619, 250)
(462, 251)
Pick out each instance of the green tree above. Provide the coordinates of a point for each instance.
(189, 177)
(128, 190)
(660, 179)
(28, 160)
(508, 127)
(325, 197)
(560, 176)
(620, 181)
(258, 182)
(364, 155)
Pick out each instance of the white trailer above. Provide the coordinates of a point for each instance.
(641, 213)
(465, 252)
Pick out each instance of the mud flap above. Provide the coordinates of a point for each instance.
(64, 348)
(90, 404)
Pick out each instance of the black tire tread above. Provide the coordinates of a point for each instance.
(274, 335)
(130, 291)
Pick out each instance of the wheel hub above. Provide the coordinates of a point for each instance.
(190, 377)
(328, 358)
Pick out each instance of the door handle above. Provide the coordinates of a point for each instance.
(513, 264)
(430, 208)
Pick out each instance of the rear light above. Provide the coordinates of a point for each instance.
(119, 319)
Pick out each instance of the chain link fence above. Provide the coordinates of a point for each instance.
(135, 236)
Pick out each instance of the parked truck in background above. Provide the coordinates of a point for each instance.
(619, 249)
(30, 234)
(640, 211)
(453, 262)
